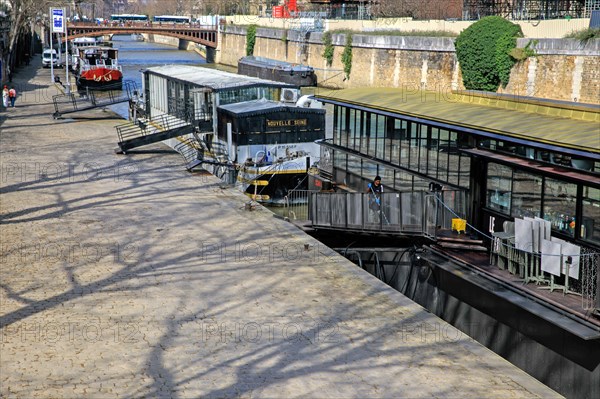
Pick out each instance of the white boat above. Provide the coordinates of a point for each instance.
(259, 131)
(97, 68)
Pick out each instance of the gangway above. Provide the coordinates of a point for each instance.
(410, 213)
(143, 132)
(89, 99)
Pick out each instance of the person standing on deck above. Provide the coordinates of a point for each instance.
(375, 189)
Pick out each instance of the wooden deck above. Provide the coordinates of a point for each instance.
(570, 302)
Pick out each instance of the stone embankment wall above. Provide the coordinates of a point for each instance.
(564, 69)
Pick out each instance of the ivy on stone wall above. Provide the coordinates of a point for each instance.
(483, 51)
(328, 49)
(347, 55)
(250, 39)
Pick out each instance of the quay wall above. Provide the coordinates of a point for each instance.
(563, 69)
(539, 29)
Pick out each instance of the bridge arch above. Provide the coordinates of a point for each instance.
(204, 35)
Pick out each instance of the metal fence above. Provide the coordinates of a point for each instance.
(414, 212)
(296, 204)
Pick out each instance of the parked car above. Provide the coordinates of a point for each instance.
(50, 56)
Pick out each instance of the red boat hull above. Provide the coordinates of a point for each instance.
(100, 78)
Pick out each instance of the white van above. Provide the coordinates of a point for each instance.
(50, 56)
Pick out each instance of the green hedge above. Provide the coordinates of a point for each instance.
(328, 49)
(484, 49)
(250, 39)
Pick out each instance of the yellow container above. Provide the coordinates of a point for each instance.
(459, 225)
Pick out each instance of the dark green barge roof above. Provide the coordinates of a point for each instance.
(558, 124)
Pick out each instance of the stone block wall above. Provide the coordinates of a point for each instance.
(563, 69)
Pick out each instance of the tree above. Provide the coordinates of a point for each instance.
(483, 51)
(24, 14)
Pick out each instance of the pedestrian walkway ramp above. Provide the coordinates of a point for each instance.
(147, 131)
(69, 103)
(410, 213)
(192, 150)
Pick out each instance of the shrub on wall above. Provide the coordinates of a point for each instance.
(250, 39)
(328, 48)
(347, 55)
(483, 50)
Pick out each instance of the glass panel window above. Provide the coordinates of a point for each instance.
(403, 181)
(371, 133)
(337, 110)
(454, 165)
(526, 194)
(499, 187)
(559, 205)
(432, 153)
(443, 152)
(346, 127)
(464, 171)
(590, 223)
(380, 136)
(422, 143)
(353, 134)
(405, 143)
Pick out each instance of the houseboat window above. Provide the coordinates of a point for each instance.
(387, 177)
(403, 181)
(353, 132)
(361, 126)
(369, 134)
(354, 177)
(238, 95)
(379, 130)
(176, 99)
(443, 144)
(369, 171)
(348, 131)
(499, 187)
(422, 144)
(454, 160)
(432, 152)
(559, 205)
(590, 223)
(405, 143)
(340, 165)
(395, 137)
(464, 171)
(337, 123)
(345, 127)
(526, 194)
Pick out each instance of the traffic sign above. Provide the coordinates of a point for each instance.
(58, 20)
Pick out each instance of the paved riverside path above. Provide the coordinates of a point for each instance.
(128, 277)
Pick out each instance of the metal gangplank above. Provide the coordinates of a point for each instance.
(411, 213)
(89, 99)
(158, 128)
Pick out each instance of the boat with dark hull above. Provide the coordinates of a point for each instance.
(280, 71)
(98, 68)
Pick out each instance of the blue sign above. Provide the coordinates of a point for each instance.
(58, 20)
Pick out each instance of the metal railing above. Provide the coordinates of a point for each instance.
(296, 204)
(408, 213)
(89, 99)
(157, 124)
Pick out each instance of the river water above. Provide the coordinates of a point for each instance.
(135, 56)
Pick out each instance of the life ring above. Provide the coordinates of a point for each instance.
(107, 77)
(97, 79)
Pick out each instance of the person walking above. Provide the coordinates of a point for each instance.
(12, 95)
(5, 97)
